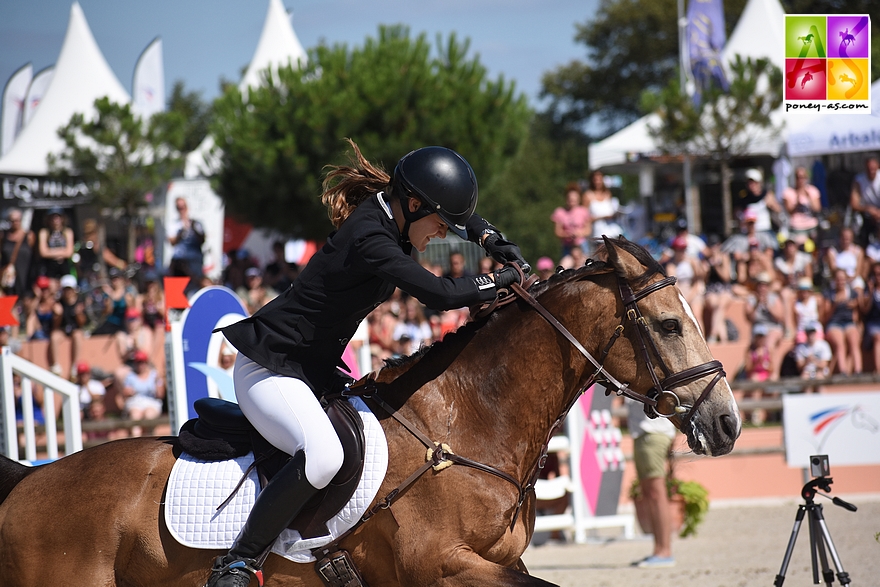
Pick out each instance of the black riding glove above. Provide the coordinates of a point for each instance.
(504, 251)
(505, 276)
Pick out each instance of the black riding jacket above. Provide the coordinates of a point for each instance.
(303, 332)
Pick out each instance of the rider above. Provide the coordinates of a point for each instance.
(289, 349)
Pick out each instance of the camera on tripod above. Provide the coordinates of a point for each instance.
(820, 538)
(819, 466)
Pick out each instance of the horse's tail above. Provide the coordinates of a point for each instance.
(11, 473)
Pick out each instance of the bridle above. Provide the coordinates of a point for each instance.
(672, 380)
(660, 388)
(439, 455)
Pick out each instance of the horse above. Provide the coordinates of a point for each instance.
(807, 77)
(491, 392)
(807, 39)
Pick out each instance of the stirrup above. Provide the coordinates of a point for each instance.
(236, 567)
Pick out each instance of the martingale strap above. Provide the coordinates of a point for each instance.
(439, 456)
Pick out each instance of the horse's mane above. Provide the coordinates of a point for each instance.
(403, 360)
(591, 268)
(652, 267)
(537, 289)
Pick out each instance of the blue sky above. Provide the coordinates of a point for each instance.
(206, 40)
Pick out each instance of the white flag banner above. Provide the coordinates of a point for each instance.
(14, 95)
(36, 92)
(845, 426)
(148, 87)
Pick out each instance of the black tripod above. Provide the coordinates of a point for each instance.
(820, 538)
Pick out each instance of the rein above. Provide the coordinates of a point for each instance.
(439, 455)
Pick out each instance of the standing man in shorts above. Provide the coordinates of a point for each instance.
(652, 439)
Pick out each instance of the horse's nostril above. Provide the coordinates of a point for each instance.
(728, 426)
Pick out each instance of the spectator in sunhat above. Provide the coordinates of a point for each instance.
(89, 390)
(806, 309)
(545, 267)
(813, 356)
(696, 246)
(760, 200)
(751, 251)
(758, 366)
(39, 319)
(690, 275)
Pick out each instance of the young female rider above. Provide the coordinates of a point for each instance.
(289, 349)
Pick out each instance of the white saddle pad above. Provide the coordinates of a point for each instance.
(196, 488)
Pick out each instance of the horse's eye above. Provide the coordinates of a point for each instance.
(670, 326)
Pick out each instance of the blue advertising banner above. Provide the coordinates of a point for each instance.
(706, 39)
(210, 308)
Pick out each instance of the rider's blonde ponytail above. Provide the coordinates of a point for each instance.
(345, 187)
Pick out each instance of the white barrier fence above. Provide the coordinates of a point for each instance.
(70, 409)
(604, 439)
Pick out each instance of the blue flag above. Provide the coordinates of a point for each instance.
(705, 40)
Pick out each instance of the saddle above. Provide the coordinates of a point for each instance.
(222, 432)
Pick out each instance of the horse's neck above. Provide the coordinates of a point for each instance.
(503, 384)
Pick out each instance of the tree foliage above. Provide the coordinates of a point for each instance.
(533, 185)
(390, 96)
(118, 156)
(195, 114)
(725, 123)
(632, 46)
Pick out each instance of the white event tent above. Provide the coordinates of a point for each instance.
(278, 46)
(838, 132)
(758, 34)
(81, 76)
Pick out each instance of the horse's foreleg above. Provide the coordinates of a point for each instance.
(490, 574)
(475, 571)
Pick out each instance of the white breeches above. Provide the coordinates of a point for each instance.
(288, 415)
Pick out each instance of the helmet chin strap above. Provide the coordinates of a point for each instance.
(409, 216)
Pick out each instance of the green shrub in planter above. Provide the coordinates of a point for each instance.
(694, 496)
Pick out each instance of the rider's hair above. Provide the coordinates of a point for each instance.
(346, 186)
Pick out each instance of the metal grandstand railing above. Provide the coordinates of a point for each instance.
(31, 375)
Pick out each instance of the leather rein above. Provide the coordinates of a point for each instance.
(440, 456)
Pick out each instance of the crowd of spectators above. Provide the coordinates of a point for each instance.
(821, 301)
(807, 286)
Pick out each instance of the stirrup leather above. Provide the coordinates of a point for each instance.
(236, 566)
(338, 570)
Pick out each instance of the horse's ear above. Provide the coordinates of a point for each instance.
(624, 263)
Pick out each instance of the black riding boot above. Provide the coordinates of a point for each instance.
(275, 508)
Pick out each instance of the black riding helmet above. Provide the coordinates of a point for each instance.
(442, 181)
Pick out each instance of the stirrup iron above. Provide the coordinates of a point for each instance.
(238, 567)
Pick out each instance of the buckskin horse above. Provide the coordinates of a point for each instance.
(491, 392)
